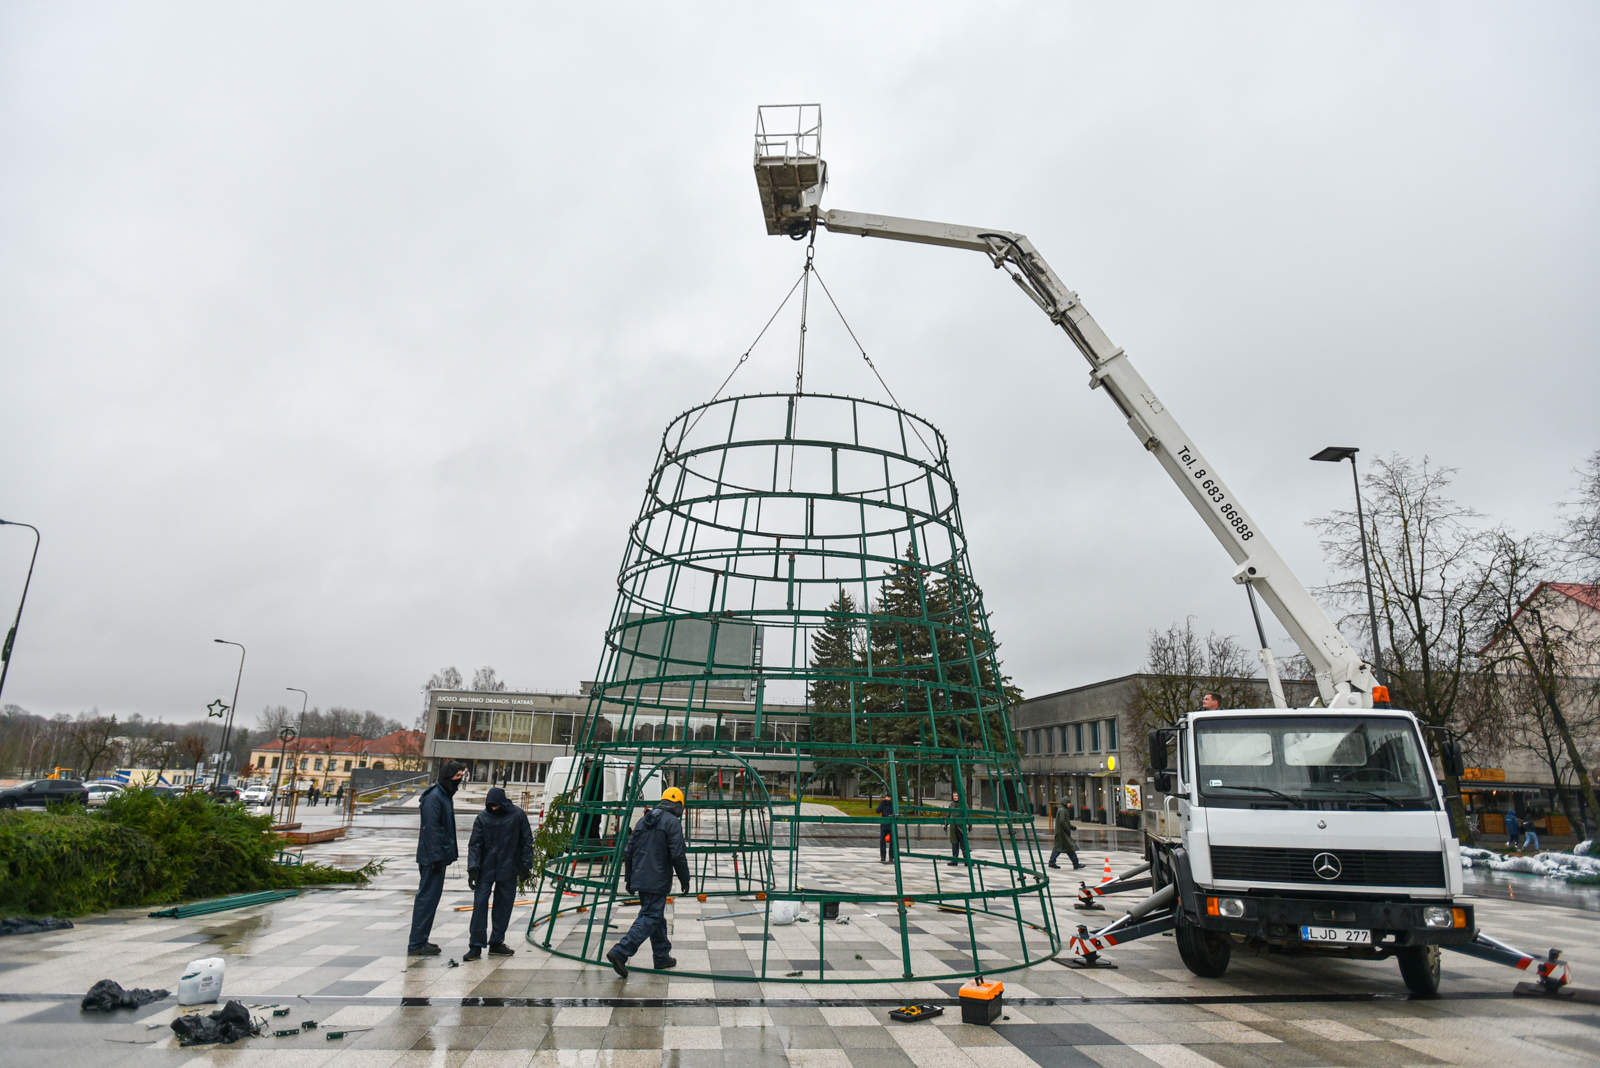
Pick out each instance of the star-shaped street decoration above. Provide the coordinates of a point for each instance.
(216, 708)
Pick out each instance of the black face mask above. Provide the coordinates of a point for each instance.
(450, 785)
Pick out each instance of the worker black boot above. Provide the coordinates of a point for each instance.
(475, 953)
(500, 949)
(619, 962)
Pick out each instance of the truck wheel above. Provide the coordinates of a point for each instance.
(1419, 967)
(1204, 952)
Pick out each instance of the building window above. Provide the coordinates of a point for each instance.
(377, 765)
(261, 761)
(1077, 737)
(1094, 737)
(274, 761)
(1049, 740)
(305, 763)
(347, 765)
(1066, 746)
(318, 764)
(1111, 736)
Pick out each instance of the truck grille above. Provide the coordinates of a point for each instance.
(1365, 867)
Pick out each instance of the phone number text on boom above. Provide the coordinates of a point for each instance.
(1209, 487)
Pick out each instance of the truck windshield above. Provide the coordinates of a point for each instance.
(1326, 761)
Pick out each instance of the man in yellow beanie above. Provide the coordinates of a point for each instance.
(655, 851)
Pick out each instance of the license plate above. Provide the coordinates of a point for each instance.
(1343, 936)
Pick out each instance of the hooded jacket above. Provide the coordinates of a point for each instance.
(655, 850)
(501, 846)
(436, 839)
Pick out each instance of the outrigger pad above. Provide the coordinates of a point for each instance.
(1560, 993)
(1091, 960)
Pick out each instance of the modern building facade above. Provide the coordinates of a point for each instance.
(1079, 749)
(513, 737)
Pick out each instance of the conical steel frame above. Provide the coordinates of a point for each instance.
(795, 610)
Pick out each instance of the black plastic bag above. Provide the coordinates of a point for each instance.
(18, 926)
(105, 996)
(228, 1024)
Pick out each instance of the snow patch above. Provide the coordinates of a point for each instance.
(1550, 865)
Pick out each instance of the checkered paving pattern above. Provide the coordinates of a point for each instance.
(338, 957)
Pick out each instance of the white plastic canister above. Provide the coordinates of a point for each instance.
(201, 981)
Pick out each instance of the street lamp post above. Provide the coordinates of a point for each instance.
(300, 729)
(11, 635)
(227, 729)
(1334, 454)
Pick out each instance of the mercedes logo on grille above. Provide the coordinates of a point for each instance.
(1326, 865)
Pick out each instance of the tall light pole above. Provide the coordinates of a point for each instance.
(227, 729)
(1334, 454)
(300, 729)
(11, 635)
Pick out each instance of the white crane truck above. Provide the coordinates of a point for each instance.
(1316, 830)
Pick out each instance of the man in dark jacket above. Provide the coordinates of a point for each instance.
(655, 851)
(436, 851)
(499, 854)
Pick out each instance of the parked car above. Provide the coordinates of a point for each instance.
(260, 794)
(224, 794)
(99, 791)
(41, 792)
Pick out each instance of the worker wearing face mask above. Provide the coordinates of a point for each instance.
(499, 856)
(436, 851)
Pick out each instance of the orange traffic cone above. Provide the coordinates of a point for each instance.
(1107, 877)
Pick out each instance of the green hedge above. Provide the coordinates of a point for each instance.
(141, 849)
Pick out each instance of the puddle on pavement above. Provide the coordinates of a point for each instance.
(1534, 889)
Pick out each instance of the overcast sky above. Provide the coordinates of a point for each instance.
(349, 331)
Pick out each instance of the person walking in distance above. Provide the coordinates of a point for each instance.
(436, 851)
(885, 830)
(958, 843)
(1064, 843)
(655, 852)
(1513, 829)
(1209, 703)
(499, 855)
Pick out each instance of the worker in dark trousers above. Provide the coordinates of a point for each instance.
(436, 851)
(1064, 840)
(885, 830)
(499, 855)
(958, 843)
(655, 851)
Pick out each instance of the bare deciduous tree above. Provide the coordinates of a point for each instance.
(1540, 661)
(94, 740)
(1580, 537)
(1182, 667)
(1433, 592)
(483, 679)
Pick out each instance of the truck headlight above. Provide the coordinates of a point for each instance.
(1228, 907)
(1434, 916)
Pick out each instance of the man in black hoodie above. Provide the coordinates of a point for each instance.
(436, 851)
(499, 853)
(655, 851)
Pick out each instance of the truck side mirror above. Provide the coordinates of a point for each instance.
(1454, 762)
(1158, 751)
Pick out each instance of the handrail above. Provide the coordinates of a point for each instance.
(391, 785)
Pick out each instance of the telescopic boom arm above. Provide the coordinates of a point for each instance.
(1343, 678)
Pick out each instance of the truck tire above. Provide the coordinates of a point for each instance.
(1204, 952)
(1419, 967)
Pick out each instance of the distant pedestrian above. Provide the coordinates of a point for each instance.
(499, 856)
(1064, 840)
(339, 797)
(316, 795)
(958, 843)
(1513, 827)
(436, 851)
(886, 843)
(1530, 835)
(655, 852)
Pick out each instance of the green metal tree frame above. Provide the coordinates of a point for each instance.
(801, 554)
